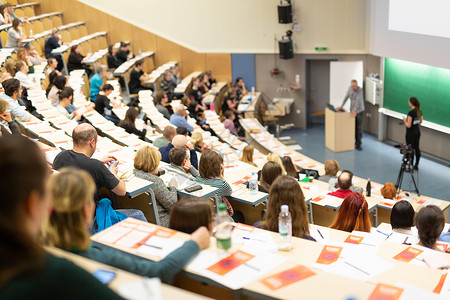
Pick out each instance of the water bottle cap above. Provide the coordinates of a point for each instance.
(253, 173)
(222, 207)
(284, 208)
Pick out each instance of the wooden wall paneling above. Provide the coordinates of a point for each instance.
(102, 42)
(38, 26)
(57, 21)
(47, 6)
(47, 23)
(96, 19)
(167, 51)
(192, 61)
(220, 65)
(118, 30)
(144, 40)
(19, 12)
(82, 30)
(66, 36)
(74, 33)
(73, 11)
(29, 11)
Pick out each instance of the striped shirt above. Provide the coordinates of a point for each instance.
(223, 186)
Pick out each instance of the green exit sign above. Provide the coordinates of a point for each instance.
(321, 48)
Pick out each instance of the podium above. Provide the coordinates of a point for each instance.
(339, 131)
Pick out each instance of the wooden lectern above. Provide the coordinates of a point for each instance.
(339, 131)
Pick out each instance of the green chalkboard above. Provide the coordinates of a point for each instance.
(431, 85)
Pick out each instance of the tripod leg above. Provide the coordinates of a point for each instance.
(400, 179)
(415, 185)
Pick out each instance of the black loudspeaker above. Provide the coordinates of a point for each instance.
(286, 50)
(285, 13)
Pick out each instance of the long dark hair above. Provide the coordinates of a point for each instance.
(25, 172)
(414, 101)
(130, 117)
(430, 222)
(269, 173)
(289, 166)
(51, 79)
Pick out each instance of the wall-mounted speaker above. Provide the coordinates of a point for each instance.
(285, 13)
(286, 49)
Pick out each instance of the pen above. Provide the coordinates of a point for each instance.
(320, 233)
(367, 273)
(252, 267)
(247, 238)
(379, 231)
(153, 246)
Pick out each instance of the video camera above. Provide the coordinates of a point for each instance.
(408, 153)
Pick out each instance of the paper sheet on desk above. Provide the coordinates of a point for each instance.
(145, 289)
(411, 292)
(254, 268)
(256, 240)
(324, 199)
(159, 247)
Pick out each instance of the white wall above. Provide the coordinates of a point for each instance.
(247, 26)
(418, 48)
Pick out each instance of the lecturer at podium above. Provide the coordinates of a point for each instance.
(357, 108)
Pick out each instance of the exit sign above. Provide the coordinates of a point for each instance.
(321, 48)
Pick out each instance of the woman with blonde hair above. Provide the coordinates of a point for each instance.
(276, 159)
(197, 142)
(285, 190)
(353, 214)
(10, 72)
(72, 192)
(5, 116)
(247, 155)
(331, 170)
(146, 164)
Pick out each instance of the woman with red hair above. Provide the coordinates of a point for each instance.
(353, 214)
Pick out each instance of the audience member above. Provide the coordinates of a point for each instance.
(72, 211)
(241, 90)
(331, 170)
(196, 98)
(388, 191)
(176, 75)
(52, 64)
(179, 118)
(5, 117)
(2, 18)
(269, 173)
(168, 84)
(430, 222)
(230, 103)
(164, 140)
(211, 171)
(97, 82)
(129, 123)
(161, 103)
(65, 99)
(211, 80)
(402, 217)
(21, 69)
(285, 190)
(228, 123)
(28, 271)
(113, 62)
(58, 83)
(53, 42)
(8, 13)
(353, 214)
(15, 35)
(180, 162)
(10, 72)
(137, 78)
(103, 104)
(22, 55)
(344, 184)
(124, 53)
(290, 168)
(247, 155)
(197, 142)
(77, 61)
(272, 156)
(34, 57)
(146, 164)
(179, 141)
(191, 213)
(182, 130)
(13, 91)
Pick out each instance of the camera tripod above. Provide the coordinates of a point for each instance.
(406, 167)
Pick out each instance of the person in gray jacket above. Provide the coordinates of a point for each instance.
(146, 164)
(357, 109)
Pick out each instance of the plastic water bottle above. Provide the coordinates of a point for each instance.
(224, 227)
(31, 32)
(253, 184)
(285, 229)
(140, 51)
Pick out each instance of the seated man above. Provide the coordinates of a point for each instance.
(179, 141)
(97, 82)
(84, 145)
(164, 140)
(344, 183)
(180, 162)
(182, 130)
(13, 91)
(137, 78)
(179, 118)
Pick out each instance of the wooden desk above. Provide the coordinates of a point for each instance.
(248, 103)
(184, 85)
(169, 292)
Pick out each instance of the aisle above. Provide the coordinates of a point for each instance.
(379, 161)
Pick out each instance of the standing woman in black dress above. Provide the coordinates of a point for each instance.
(412, 123)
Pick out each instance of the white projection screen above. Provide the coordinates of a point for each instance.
(428, 17)
(341, 75)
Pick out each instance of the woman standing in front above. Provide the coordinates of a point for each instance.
(412, 123)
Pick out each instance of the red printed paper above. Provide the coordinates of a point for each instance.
(387, 204)
(386, 292)
(329, 255)
(230, 263)
(438, 288)
(243, 180)
(408, 254)
(287, 277)
(318, 199)
(421, 201)
(353, 239)
(244, 227)
(80, 111)
(442, 246)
